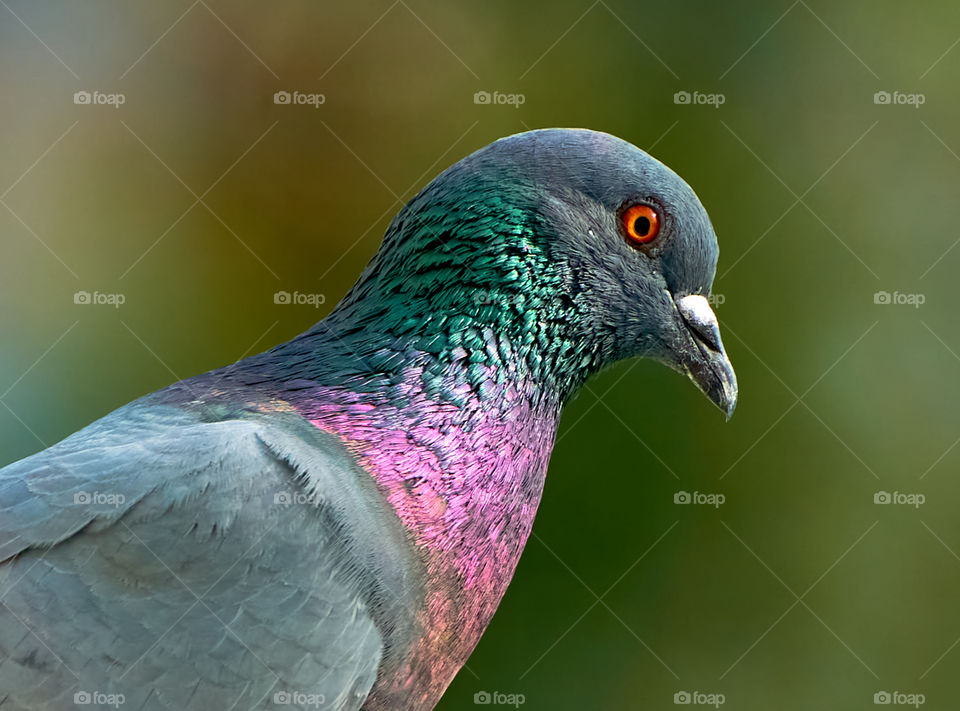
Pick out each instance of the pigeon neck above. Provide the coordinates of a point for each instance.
(474, 335)
(445, 379)
(459, 449)
(462, 285)
(455, 356)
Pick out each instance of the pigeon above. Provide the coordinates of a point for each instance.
(332, 523)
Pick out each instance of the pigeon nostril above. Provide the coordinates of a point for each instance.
(706, 333)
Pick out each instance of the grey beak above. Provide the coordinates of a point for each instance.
(706, 363)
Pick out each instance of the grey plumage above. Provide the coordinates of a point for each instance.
(119, 579)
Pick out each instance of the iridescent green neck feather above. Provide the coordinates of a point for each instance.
(463, 283)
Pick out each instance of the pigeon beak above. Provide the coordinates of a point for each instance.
(703, 358)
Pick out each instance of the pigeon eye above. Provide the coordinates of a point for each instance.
(641, 223)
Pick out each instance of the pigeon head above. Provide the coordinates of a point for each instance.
(559, 250)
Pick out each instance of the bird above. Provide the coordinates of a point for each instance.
(333, 522)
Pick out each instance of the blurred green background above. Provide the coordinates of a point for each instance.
(199, 198)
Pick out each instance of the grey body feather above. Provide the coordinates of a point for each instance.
(161, 556)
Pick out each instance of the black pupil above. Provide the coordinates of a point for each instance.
(642, 226)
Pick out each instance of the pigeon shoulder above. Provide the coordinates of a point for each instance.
(151, 494)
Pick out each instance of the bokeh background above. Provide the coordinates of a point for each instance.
(199, 198)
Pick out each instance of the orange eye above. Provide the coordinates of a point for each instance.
(641, 223)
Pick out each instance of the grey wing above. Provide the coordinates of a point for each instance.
(180, 564)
